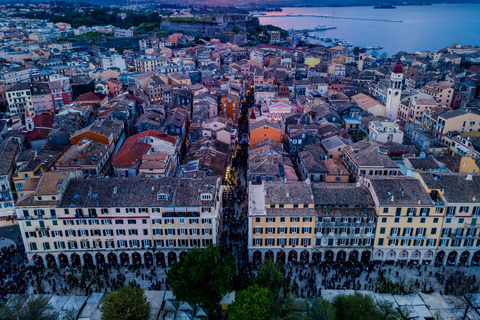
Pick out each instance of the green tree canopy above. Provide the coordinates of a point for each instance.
(255, 303)
(270, 276)
(355, 307)
(321, 309)
(203, 277)
(35, 308)
(387, 310)
(126, 303)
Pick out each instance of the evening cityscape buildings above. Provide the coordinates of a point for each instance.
(126, 156)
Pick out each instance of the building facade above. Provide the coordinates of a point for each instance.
(69, 220)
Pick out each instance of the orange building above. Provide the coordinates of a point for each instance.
(263, 129)
(230, 106)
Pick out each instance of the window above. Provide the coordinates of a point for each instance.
(269, 242)
(282, 230)
(293, 241)
(306, 241)
(206, 197)
(307, 230)
(118, 221)
(169, 221)
(294, 230)
(281, 241)
(120, 232)
(257, 242)
(382, 230)
(132, 221)
(295, 219)
(380, 241)
(270, 230)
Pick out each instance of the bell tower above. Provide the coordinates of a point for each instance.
(394, 92)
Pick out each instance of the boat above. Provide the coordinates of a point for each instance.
(321, 27)
(385, 7)
(377, 47)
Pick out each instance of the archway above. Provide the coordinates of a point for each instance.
(137, 259)
(464, 257)
(305, 256)
(182, 255)
(75, 259)
(403, 255)
(329, 256)
(281, 256)
(257, 257)
(38, 260)
(172, 257)
(366, 255)
(390, 256)
(51, 263)
(160, 256)
(316, 257)
(452, 257)
(428, 256)
(353, 256)
(87, 259)
(292, 256)
(269, 254)
(440, 257)
(415, 256)
(112, 258)
(476, 258)
(100, 258)
(124, 259)
(63, 260)
(378, 256)
(341, 255)
(148, 257)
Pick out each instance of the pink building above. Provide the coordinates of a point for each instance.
(114, 86)
(41, 98)
(414, 111)
(275, 109)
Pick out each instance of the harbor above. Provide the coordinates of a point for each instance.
(260, 15)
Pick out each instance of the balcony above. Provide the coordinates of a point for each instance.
(42, 229)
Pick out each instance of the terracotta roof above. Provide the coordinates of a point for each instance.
(37, 134)
(44, 121)
(91, 97)
(132, 150)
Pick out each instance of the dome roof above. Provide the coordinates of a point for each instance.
(398, 67)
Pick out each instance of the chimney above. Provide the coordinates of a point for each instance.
(392, 198)
(469, 177)
(287, 194)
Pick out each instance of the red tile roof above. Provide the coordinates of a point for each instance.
(132, 150)
(37, 134)
(90, 97)
(44, 121)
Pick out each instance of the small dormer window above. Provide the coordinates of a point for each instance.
(95, 195)
(162, 197)
(206, 196)
(76, 196)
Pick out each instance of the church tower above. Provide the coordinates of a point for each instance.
(29, 121)
(394, 92)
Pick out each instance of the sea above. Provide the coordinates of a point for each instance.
(406, 28)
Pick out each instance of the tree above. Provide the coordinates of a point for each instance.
(203, 277)
(321, 309)
(356, 51)
(35, 308)
(270, 276)
(127, 303)
(387, 310)
(255, 303)
(355, 307)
